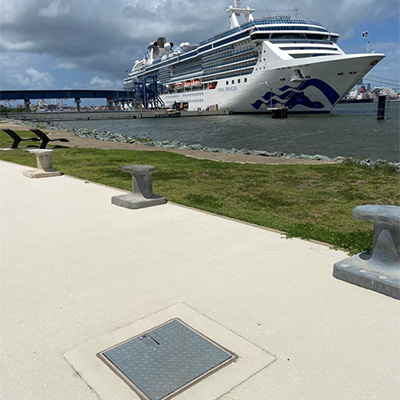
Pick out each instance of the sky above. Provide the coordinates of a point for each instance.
(91, 44)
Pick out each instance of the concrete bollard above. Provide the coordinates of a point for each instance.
(379, 270)
(44, 165)
(142, 189)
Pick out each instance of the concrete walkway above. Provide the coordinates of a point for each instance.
(79, 274)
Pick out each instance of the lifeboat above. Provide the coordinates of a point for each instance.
(212, 85)
(196, 83)
(188, 84)
(179, 86)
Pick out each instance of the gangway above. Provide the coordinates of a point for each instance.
(146, 92)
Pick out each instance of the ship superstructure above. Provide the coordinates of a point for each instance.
(254, 66)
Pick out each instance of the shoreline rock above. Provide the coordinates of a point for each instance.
(173, 144)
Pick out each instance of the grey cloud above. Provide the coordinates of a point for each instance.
(106, 37)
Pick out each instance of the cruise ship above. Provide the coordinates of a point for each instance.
(255, 66)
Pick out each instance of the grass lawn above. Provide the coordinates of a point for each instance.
(306, 201)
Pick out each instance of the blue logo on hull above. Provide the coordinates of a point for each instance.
(292, 97)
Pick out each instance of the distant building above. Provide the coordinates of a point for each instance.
(364, 93)
(386, 91)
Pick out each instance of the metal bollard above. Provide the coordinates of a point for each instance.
(379, 270)
(44, 165)
(142, 189)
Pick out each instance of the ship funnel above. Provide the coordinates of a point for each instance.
(161, 41)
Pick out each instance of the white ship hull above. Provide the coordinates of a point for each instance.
(270, 87)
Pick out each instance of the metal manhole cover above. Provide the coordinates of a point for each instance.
(162, 362)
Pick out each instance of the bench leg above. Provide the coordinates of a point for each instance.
(15, 144)
(44, 144)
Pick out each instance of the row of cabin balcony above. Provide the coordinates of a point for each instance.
(233, 61)
(246, 50)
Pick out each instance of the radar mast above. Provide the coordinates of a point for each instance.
(235, 11)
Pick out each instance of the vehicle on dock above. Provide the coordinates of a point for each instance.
(255, 66)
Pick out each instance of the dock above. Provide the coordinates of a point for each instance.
(106, 115)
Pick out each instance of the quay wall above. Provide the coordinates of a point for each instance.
(104, 115)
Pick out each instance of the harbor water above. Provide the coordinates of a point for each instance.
(351, 130)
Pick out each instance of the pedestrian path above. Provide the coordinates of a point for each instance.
(79, 274)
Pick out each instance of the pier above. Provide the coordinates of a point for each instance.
(105, 115)
(116, 99)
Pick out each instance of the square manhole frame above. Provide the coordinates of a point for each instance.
(234, 357)
(252, 359)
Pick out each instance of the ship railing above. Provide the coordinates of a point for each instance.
(220, 36)
(240, 59)
(247, 50)
(274, 20)
(245, 71)
(177, 79)
(188, 65)
(285, 41)
(231, 68)
(291, 28)
(220, 50)
(227, 33)
(189, 70)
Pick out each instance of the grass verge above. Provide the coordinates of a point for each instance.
(306, 201)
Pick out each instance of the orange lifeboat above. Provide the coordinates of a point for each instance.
(196, 83)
